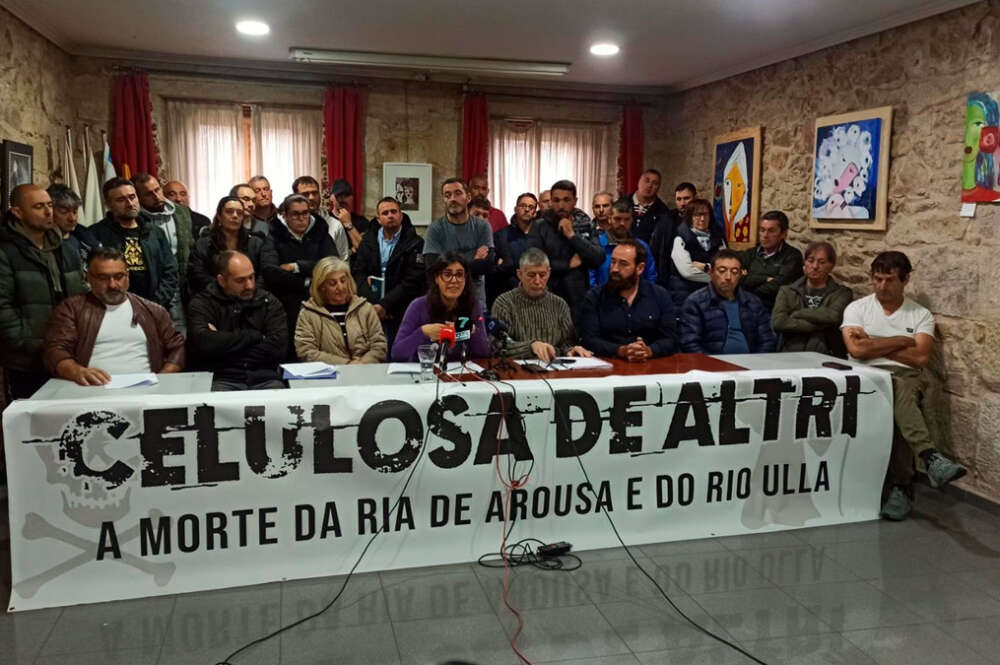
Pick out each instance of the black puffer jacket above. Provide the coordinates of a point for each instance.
(28, 295)
(570, 284)
(249, 340)
(292, 287)
(201, 266)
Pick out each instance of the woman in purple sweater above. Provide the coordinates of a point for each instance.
(450, 296)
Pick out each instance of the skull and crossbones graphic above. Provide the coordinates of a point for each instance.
(88, 499)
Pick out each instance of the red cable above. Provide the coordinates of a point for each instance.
(509, 486)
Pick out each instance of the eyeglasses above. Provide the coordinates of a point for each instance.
(116, 277)
(450, 276)
(699, 214)
(526, 206)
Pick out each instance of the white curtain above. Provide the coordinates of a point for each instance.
(528, 156)
(205, 149)
(578, 153)
(513, 167)
(285, 144)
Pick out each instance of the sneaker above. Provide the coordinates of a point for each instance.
(941, 470)
(897, 505)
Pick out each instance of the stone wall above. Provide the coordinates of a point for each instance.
(35, 100)
(924, 70)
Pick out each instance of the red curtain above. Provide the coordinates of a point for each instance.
(133, 149)
(475, 136)
(630, 164)
(343, 125)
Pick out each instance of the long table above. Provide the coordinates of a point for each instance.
(115, 494)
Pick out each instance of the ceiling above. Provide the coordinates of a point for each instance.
(673, 44)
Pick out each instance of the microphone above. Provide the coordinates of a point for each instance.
(498, 329)
(463, 333)
(446, 339)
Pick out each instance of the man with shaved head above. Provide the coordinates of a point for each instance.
(176, 191)
(37, 272)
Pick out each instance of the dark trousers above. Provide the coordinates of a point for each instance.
(222, 385)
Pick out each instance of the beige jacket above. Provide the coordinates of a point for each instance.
(318, 336)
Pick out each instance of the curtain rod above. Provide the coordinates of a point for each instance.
(524, 118)
(201, 100)
(558, 98)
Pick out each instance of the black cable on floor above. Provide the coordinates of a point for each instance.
(635, 561)
(260, 640)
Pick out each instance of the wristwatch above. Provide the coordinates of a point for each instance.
(349, 228)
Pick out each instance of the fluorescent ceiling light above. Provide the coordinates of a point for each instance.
(604, 48)
(254, 28)
(429, 62)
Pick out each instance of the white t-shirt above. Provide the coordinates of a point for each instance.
(120, 347)
(867, 313)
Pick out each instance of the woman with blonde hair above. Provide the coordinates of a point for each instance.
(335, 325)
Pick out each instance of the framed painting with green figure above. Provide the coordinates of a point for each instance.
(982, 141)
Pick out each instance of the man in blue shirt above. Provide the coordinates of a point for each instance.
(722, 317)
(389, 265)
(620, 228)
(629, 317)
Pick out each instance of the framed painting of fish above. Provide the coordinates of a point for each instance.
(736, 185)
(851, 170)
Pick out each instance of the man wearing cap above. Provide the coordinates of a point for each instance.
(341, 201)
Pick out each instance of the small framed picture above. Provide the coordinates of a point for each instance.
(18, 164)
(410, 184)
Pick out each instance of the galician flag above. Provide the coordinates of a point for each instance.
(68, 169)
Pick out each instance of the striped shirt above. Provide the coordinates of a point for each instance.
(545, 319)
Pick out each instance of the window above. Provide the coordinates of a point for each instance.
(211, 146)
(528, 156)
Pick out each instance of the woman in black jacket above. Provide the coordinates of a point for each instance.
(227, 232)
(300, 240)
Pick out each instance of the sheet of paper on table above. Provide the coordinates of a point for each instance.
(311, 370)
(569, 363)
(131, 380)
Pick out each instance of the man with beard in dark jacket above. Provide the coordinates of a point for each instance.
(238, 331)
(393, 253)
(37, 272)
(567, 237)
(152, 266)
(300, 239)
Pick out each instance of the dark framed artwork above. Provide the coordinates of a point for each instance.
(18, 165)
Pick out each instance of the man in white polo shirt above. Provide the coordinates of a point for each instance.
(110, 331)
(891, 331)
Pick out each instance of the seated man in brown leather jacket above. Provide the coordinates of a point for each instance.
(109, 330)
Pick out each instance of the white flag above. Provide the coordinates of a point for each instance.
(109, 167)
(69, 171)
(92, 208)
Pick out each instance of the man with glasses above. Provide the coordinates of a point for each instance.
(510, 243)
(245, 194)
(724, 318)
(91, 337)
(538, 321)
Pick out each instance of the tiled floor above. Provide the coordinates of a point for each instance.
(922, 591)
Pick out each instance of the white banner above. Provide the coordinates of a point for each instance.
(127, 497)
